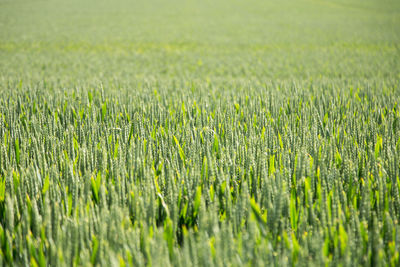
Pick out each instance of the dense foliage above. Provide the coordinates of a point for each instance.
(211, 134)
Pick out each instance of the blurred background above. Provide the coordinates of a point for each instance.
(71, 42)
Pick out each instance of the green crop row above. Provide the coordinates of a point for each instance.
(276, 175)
(200, 133)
